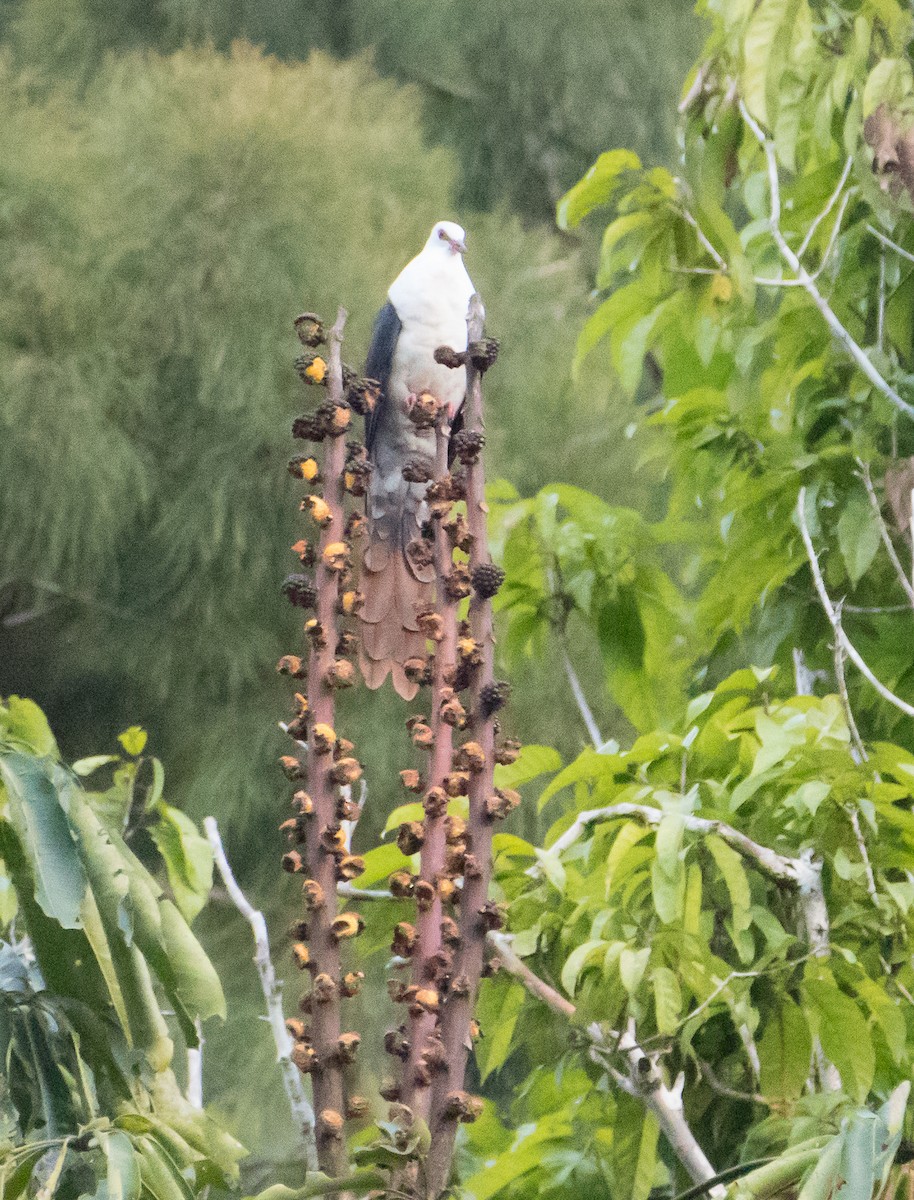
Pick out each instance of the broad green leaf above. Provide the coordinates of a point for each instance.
(381, 862)
(196, 983)
(403, 813)
(577, 960)
(87, 766)
(23, 726)
(785, 1050)
(822, 1181)
(843, 1031)
(632, 965)
(49, 1187)
(188, 858)
(668, 871)
(646, 1168)
(730, 865)
(499, 1007)
(16, 1171)
(44, 832)
(161, 1178)
(551, 866)
(532, 762)
(858, 535)
(760, 42)
(123, 1177)
(888, 1014)
(596, 188)
(667, 999)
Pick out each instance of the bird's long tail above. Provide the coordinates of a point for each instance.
(396, 589)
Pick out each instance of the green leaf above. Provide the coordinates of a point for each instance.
(188, 858)
(499, 1007)
(49, 1187)
(123, 1170)
(45, 835)
(23, 726)
(133, 740)
(785, 1051)
(577, 960)
(15, 1172)
(667, 871)
(760, 48)
(87, 766)
(858, 536)
(381, 862)
(730, 865)
(632, 965)
(843, 1032)
(667, 999)
(596, 188)
(532, 762)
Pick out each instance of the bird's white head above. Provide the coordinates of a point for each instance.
(447, 238)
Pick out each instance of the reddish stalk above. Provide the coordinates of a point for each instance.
(450, 1104)
(429, 964)
(323, 857)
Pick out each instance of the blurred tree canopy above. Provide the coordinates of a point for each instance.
(525, 94)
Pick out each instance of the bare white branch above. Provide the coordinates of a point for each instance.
(593, 730)
(806, 280)
(835, 619)
(886, 241)
(302, 1112)
(832, 201)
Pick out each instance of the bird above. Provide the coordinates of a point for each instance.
(427, 306)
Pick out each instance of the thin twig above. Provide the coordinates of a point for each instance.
(832, 201)
(864, 853)
(302, 1112)
(704, 240)
(593, 730)
(886, 241)
(890, 550)
(835, 620)
(723, 1089)
(858, 750)
(805, 279)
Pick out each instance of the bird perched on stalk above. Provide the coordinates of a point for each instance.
(426, 308)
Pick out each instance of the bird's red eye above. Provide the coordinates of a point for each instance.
(442, 233)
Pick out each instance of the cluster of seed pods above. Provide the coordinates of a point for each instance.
(441, 951)
(323, 764)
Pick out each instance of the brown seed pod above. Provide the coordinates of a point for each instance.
(483, 353)
(416, 470)
(468, 444)
(412, 780)
(470, 757)
(460, 986)
(294, 770)
(333, 839)
(347, 925)
(450, 933)
(502, 803)
(446, 889)
(346, 810)
(291, 664)
(347, 1046)
(404, 942)
(299, 590)
(457, 783)
(350, 867)
(340, 674)
(507, 753)
(303, 804)
(346, 771)
(297, 728)
(323, 738)
(323, 989)
(493, 697)
(449, 357)
(416, 670)
(431, 625)
(297, 1029)
(301, 955)
(396, 1044)
(313, 895)
(456, 828)
(308, 428)
(411, 837)
(321, 513)
(345, 644)
(389, 1089)
(396, 989)
(435, 802)
(434, 1055)
(315, 633)
(357, 1107)
(350, 602)
(487, 578)
(304, 1057)
(306, 467)
(310, 329)
(355, 526)
(401, 884)
(292, 862)
(351, 984)
(427, 1000)
(343, 748)
(491, 916)
(363, 395)
(329, 1125)
(336, 556)
(422, 736)
(457, 582)
(461, 1106)
(425, 895)
(471, 867)
(423, 412)
(458, 532)
(453, 713)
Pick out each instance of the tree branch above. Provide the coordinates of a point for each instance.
(835, 619)
(807, 281)
(593, 730)
(302, 1112)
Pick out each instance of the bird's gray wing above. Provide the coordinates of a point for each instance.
(387, 328)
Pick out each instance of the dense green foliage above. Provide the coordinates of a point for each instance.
(87, 1092)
